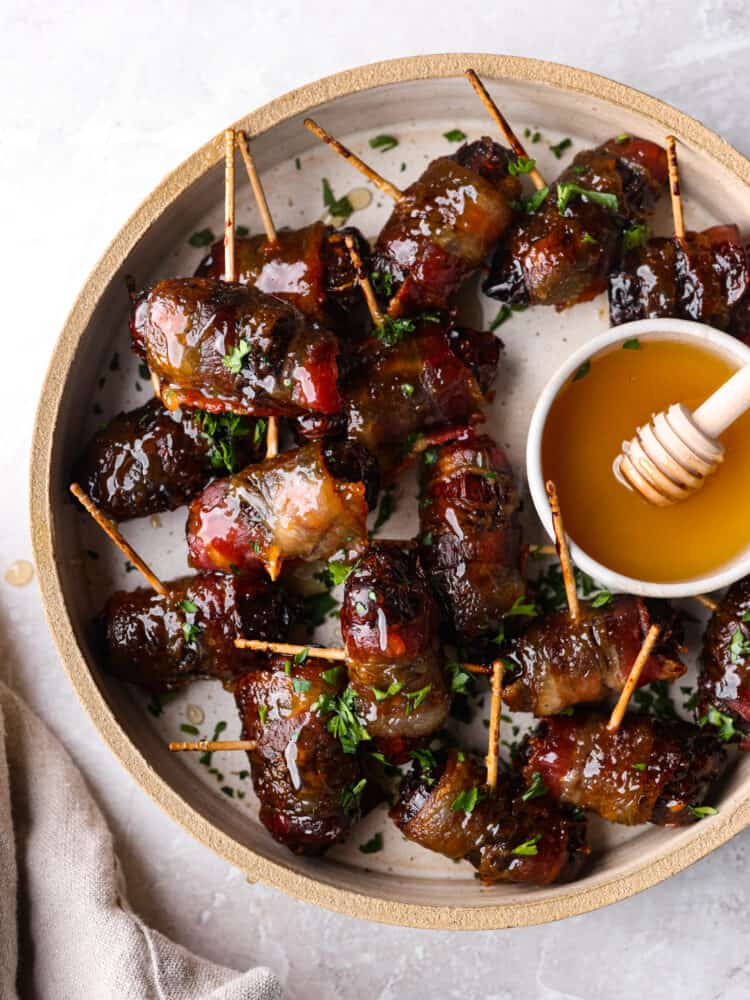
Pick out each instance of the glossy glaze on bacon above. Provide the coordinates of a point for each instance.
(556, 662)
(389, 623)
(309, 267)
(583, 764)
(724, 678)
(187, 328)
(559, 258)
(300, 772)
(434, 378)
(293, 506)
(150, 460)
(494, 829)
(470, 538)
(444, 226)
(163, 643)
(702, 277)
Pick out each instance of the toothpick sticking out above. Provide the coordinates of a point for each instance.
(491, 759)
(291, 649)
(257, 186)
(502, 123)
(674, 188)
(707, 602)
(380, 182)
(209, 746)
(230, 268)
(110, 528)
(633, 677)
(364, 283)
(563, 553)
(272, 438)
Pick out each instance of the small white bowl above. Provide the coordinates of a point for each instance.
(647, 329)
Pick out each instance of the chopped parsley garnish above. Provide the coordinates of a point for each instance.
(622, 137)
(337, 572)
(639, 767)
(700, 812)
(528, 848)
(233, 360)
(301, 685)
(393, 689)
(721, 722)
(427, 762)
(331, 676)
(203, 238)
(559, 148)
(567, 191)
(582, 371)
(302, 655)
(631, 344)
(531, 205)
(129, 567)
(375, 843)
(522, 165)
(317, 607)
(343, 722)
(636, 236)
(407, 389)
(385, 510)
(455, 135)
(190, 628)
(262, 714)
(392, 331)
(384, 143)
(461, 681)
(426, 538)
(589, 239)
(382, 282)
(602, 599)
(351, 795)
(536, 789)
(739, 646)
(430, 456)
(297, 163)
(504, 313)
(339, 208)
(466, 800)
(185, 727)
(205, 758)
(415, 698)
(521, 608)
(221, 431)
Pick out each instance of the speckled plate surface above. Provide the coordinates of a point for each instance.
(93, 375)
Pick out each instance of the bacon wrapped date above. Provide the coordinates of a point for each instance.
(301, 774)
(309, 267)
(469, 534)
(702, 277)
(230, 348)
(389, 623)
(300, 505)
(562, 252)
(647, 772)
(163, 643)
(150, 459)
(445, 807)
(556, 662)
(444, 225)
(724, 678)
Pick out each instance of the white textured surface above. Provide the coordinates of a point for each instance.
(99, 101)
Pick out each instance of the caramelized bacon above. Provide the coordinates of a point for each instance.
(469, 534)
(150, 460)
(300, 771)
(561, 257)
(389, 626)
(293, 506)
(444, 225)
(556, 662)
(646, 772)
(724, 680)
(231, 348)
(163, 643)
(448, 809)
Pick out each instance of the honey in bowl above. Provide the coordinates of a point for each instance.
(599, 408)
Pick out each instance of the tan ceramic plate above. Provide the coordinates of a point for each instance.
(92, 375)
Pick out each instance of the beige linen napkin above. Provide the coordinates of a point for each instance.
(66, 930)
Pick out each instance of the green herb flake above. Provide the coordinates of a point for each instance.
(426, 539)
(461, 681)
(531, 205)
(189, 607)
(567, 191)
(427, 764)
(228, 791)
(639, 767)
(536, 789)
(343, 722)
(373, 845)
(339, 208)
(622, 137)
(559, 148)
(385, 510)
(415, 698)
(382, 282)
(338, 572)
(233, 360)
(129, 567)
(393, 689)
(407, 389)
(582, 371)
(587, 238)
(504, 313)
(302, 655)
(392, 331)
(301, 685)
(351, 795)
(297, 163)
(721, 722)
(636, 236)
(602, 599)
(455, 135)
(331, 676)
(739, 646)
(631, 344)
(522, 165)
(700, 812)
(185, 727)
(467, 800)
(203, 238)
(384, 143)
(528, 848)
(262, 714)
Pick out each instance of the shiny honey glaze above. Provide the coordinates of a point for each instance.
(587, 423)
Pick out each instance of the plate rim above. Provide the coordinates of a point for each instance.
(570, 900)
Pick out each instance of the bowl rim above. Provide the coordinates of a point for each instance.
(684, 331)
(571, 899)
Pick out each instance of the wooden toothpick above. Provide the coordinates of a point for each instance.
(493, 739)
(209, 746)
(707, 602)
(291, 649)
(563, 553)
(364, 282)
(257, 186)
(380, 182)
(502, 123)
(230, 269)
(674, 188)
(110, 528)
(633, 677)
